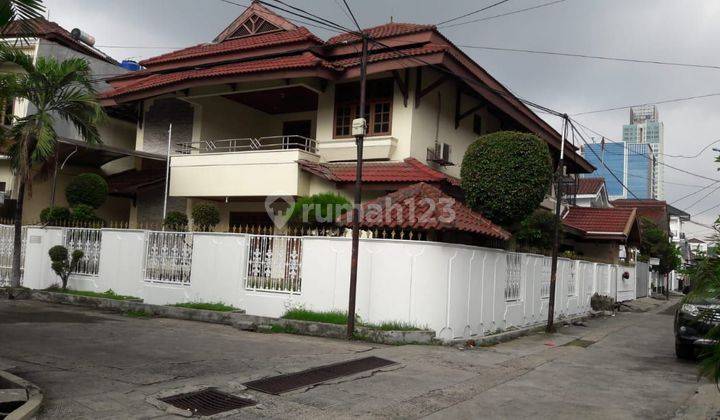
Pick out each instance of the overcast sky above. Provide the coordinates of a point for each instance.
(668, 30)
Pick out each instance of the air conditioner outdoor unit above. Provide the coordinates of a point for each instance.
(440, 154)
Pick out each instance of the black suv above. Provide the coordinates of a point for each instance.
(693, 320)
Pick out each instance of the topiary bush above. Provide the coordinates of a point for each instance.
(55, 216)
(205, 216)
(62, 265)
(89, 189)
(83, 214)
(506, 175)
(319, 209)
(176, 220)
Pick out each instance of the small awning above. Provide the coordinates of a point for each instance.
(128, 183)
(81, 153)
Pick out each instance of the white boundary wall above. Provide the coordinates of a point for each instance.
(456, 290)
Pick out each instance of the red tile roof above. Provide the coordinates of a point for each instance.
(304, 60)
(235, 45)
(410, 208)
(600, 221)
(43, 28)
(409, 170)
(394, 54)
(382, 31)
(655, 210)
(590, 185)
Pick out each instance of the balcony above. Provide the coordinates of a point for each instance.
(243, 167)
(249, 144)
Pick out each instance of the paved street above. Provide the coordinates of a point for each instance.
(92, 364)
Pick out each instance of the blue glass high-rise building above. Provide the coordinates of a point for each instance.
(623, 164)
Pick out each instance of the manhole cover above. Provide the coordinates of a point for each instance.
(283, 383)
(581, 343)
(207, 402)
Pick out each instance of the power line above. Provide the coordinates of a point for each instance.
(693, 193)
(646, 157)
(706, 210)
(325, 27)
(352, 15)
(702, 198)
(594, 57)
(602, 161)
(666, 101)
(503, 14)
(473, 12)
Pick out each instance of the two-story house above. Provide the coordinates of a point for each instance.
(116, 153)
(266, 109)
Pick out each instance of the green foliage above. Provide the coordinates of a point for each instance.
(62, 265)
(88, 189)
(205, 216)
(319, 209)
(208, 306)
(55, 216)
(22, 11)
(655, 242)
(84, 214)
(176, 220)
(328, 317)
(108, 294)
(537, 231)
(506, 175)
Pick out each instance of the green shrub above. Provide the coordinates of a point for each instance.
(537, 231)
(84, 214)
(506, 175)
(176, 220)
(55, 216)
(89, 189)
(319, 209)
(205, 216)
(62, 265)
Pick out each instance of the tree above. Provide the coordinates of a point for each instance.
(64, 265)
(655, 242)
(205, 216)
(22, 10)
(537, 231)
(89, 189)
(319, 209)
(56, 90)
(176, 220)
(506, 175)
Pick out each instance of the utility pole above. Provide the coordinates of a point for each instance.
(559, 174)
(167, 176)
(358, 130)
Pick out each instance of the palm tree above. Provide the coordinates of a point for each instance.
(56, 91)
(21, 10)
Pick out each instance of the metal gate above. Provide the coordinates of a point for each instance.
(642, 276)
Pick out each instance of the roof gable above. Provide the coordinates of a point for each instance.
(255, 20)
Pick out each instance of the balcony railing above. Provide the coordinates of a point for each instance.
(248, 144)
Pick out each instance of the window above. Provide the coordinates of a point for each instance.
(378, 110)
(477, 124)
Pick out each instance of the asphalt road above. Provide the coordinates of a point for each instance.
(92, 364)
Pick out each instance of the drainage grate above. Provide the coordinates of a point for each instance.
(283, 383)
(207, 402)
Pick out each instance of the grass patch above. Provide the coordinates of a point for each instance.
(393, 326)
(109, 294)
(285, 329)
(136, 314)
(340, 318)
(328, 317)
(208, 306)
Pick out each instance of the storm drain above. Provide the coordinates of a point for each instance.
(581, 343)
(207, 402)
(284, 383)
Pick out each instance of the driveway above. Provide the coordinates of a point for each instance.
(92, 364)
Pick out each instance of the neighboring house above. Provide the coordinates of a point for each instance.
(677, 232)
(655, 210)
(591, 192)
(116, 153)
(266, 109)
(601, 234)
(697, 246)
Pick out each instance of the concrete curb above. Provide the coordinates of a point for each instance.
(489, 340)
(32, 405)
(238, 319)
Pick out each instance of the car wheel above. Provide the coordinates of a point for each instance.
(684, 350)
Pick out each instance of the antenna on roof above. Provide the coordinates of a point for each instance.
(391, 18)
